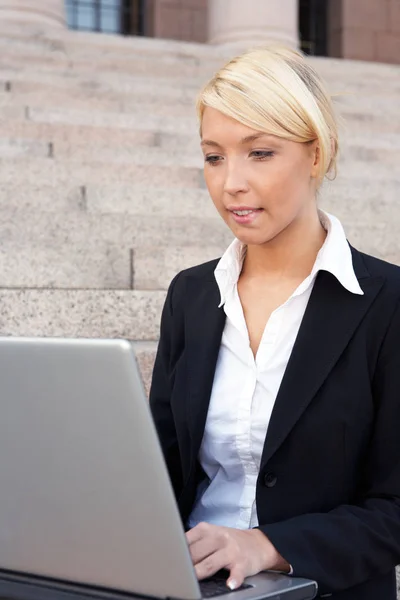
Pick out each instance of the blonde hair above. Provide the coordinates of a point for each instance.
(275, 90)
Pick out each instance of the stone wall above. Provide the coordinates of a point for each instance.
(365, 30)
(178, 19)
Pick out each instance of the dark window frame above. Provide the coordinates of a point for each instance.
(313, 25)
(130, 15)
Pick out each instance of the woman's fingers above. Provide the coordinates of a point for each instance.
(203, 548)
(203, 540)
(212, 564)
(199, 532)
(212, 549)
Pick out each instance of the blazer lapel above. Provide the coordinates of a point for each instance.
(332, 315)
(204, 324)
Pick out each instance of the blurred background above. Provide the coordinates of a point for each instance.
(102, 197)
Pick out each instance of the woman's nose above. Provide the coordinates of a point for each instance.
(235, 181)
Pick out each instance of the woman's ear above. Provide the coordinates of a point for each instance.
(316, 155)
(333, 147)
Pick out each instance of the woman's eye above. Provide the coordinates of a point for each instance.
(212, 160)
(261, 154)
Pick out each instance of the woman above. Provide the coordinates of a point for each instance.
(276, 387)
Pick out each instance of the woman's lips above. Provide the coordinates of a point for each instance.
(249, 216)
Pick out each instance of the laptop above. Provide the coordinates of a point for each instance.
(87, 508)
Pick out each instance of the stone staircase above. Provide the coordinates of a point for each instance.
(102, 198)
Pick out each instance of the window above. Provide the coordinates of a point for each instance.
(109, 16)
(313, 17)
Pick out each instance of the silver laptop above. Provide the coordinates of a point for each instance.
(85, 494)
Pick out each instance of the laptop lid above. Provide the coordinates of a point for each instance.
(85, 495)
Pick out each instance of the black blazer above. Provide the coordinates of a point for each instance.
(328, 490)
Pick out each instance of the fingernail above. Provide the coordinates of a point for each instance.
(232, 584)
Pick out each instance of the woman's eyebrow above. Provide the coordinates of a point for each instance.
(245, 140)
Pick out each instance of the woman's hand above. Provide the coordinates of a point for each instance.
(242, 552)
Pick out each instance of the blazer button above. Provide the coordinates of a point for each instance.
(270, 479)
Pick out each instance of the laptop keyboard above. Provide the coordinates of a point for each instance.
(216, 586)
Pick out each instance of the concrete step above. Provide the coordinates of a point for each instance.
(92, 84)
(20, 227)
(118, 198)
(359, 202)
(363, 122)
(96, 265)
(81, 313)
(139, 121)
(150, 201)
(76, 135)
(43, 87)
(372, 73)
(177, 88)
(155, 266)
(371, 156)
(50, 172)
(380, 103)
(79, 45)
(13, 112)
(91, 265)
(96, 44)
(17, 147)
(47, 198)
(110, 154)
(103, 69)
(50, 98)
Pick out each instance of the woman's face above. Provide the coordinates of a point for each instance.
(259, 183)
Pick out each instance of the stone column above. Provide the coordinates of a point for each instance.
(246, 23)
(41, 12)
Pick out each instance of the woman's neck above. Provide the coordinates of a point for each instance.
(291, 254)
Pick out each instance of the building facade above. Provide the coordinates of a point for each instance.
(351, 29)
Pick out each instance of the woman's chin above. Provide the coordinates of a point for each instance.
(253, 238)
